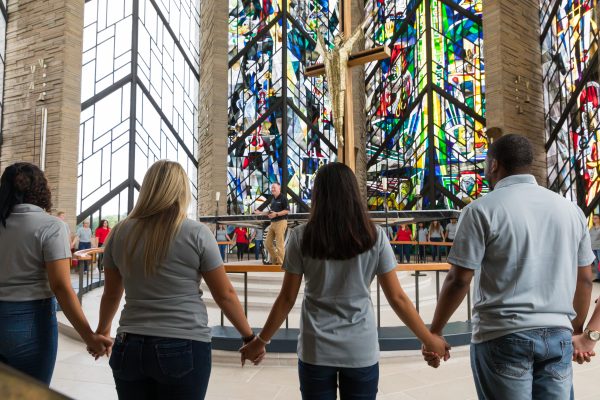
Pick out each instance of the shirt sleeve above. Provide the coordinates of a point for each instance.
(585, 255)
(468, 249)
(55, 243)
(386, 260)
(293, 255)
(210, 256)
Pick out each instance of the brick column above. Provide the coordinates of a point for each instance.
(51, 30)
(359, 103)
(212, 106)
(513, 61)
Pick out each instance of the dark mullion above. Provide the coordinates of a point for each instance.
(549, 21)
(465, 13)
(133, 102)
(253, 42)
(109, 90)
(311, 125)
(430, 190)
(239, 141)
(101, 202)
(175, 39)
(284, 119)
(470, 112)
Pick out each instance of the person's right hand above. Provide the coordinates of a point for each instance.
(583, 349)
(99, 345)
(436, 350)
(254, 351)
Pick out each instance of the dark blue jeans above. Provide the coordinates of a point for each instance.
(320, 383)
(222, 248)
(150, 367)
(436, 251)
(258, 245)
(29, 337)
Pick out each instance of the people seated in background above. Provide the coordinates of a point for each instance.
(422, 233)
(530, 294)
(34, 268)
(436, 234)
(595, 239)
(277, 213)
(404, 234)
(339, 252)
(158, 257)
(222, 236)
(241, 242)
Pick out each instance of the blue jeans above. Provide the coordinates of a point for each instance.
(534, 364)
(258, 244)
(222, 248)
(29, 337)
(320, 383)
(150, 367)
(436, 251)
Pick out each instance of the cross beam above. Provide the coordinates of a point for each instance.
(358, 58)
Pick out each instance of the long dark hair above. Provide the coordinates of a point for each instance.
(339, 226)
(23, 183)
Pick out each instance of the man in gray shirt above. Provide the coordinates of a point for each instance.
(529, 251)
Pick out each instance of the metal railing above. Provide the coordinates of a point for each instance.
(88, 258)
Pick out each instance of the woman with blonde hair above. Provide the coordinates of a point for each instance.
(158, 257)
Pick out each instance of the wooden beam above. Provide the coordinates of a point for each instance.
(355, 59)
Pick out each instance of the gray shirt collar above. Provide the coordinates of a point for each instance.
(25, 208)
(515, 180)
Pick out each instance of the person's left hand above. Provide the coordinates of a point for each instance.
(254, 351)
(583, 349)
(99, 345)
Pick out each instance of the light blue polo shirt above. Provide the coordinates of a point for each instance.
(525, 243)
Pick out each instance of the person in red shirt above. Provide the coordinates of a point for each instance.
(404, 234)
(101, 234)
(241, 242)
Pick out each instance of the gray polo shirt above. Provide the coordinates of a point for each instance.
(31, 239)
(84, 234)
(168, 304)
(337, 323)
(525, 243)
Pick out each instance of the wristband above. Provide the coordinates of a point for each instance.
(263, 340)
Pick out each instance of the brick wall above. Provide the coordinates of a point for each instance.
(511, 49)
(51, 30)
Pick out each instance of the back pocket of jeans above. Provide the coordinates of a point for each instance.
(563, 368)
(175, 357)
(512, 357)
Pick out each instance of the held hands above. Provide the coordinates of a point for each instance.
(583, 349)
(99, 345)
(254, 351)
(436, 350)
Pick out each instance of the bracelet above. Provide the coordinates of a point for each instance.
(248, 339)
(262, 340)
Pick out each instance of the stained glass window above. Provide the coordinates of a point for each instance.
(280, 129)
(571, 97)
(426, 104)
(139, 99)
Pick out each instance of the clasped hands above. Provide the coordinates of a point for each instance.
(583, 349)
(99, 345)
(435, 351)
(254, 351)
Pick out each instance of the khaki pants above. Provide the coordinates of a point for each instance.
(276, 233)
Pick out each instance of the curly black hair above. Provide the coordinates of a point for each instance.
(23, 183)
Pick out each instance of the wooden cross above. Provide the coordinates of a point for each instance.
(346, 152)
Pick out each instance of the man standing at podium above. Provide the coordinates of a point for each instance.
(278, 210)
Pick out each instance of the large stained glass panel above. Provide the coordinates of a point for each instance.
(426, 104)
(139, 99)
(571, 97)
(280, 128)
